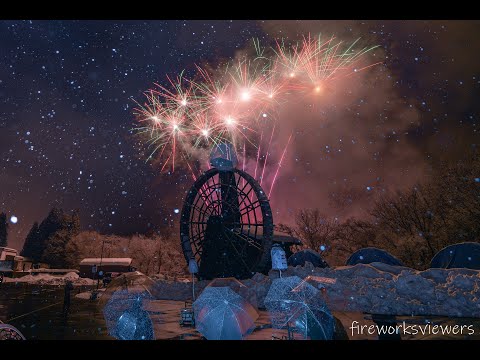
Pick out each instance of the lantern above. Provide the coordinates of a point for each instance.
(279, 260)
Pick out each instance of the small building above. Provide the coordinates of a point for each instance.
(7, 254)
(22, 264)
(14, 265)
(7, 260)
(107, 265)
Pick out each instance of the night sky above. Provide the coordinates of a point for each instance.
(66, 114)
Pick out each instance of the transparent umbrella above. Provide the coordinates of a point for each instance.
(295, 304)
(238, 287)
(222, 314)
(125, 317)
(10, 332)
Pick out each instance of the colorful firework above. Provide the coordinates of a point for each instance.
(240, 104)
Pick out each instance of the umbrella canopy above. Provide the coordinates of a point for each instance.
(10, 332)
(294, 303)
(300, 257)
(237, 286)
(125, 317)
(370, 254)
(463, 255)
(134, 282)
(222, 314)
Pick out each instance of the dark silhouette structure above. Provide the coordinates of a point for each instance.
(47, 242)
(67, 298)
(370, 254)
(3, 230)
(300, 257)
(463, 255)
(226, 222)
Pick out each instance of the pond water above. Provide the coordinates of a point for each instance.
(37, 312)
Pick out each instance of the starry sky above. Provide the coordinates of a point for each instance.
(66, 114)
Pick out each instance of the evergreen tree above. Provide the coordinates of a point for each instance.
(3, 229)
(58, 230)
(31, 248)
(51, 224)
(75, 223)
(55, 254)
(48, 241)
(70, 248)
(73, 254)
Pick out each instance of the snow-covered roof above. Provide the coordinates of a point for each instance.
(283, 238)
(106, 261)
(8, 250)
(53, 271)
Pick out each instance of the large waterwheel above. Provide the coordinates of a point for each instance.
(226, 221)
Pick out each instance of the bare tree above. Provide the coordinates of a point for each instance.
(443, 211)
(458, 190)
(148, 253)
(160, 252)
(413, 213)
(313, 228)
(355, 234)
(412, 225)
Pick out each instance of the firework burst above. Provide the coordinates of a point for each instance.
(239, 105)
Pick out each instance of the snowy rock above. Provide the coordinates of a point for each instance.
(436, 275)
(414, 286)
(359, 270)
(390, 269)
(308, 266)
(259, 277)
(462, 282)
(371, 288)
(466, 272)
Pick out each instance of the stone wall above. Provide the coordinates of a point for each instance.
(375, 288)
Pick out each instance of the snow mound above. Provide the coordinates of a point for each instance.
(47, 279)
(84, 295)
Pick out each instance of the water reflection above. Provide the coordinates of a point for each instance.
(37, 312)
(85, 321)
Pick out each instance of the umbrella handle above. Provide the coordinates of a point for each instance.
(193, 287)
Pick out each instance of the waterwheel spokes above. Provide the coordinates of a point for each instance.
(227, 221)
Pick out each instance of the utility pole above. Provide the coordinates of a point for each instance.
(99, 267)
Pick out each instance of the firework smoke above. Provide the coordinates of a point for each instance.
(242, 104)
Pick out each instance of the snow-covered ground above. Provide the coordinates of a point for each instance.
(47, 279)
(374, 288)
